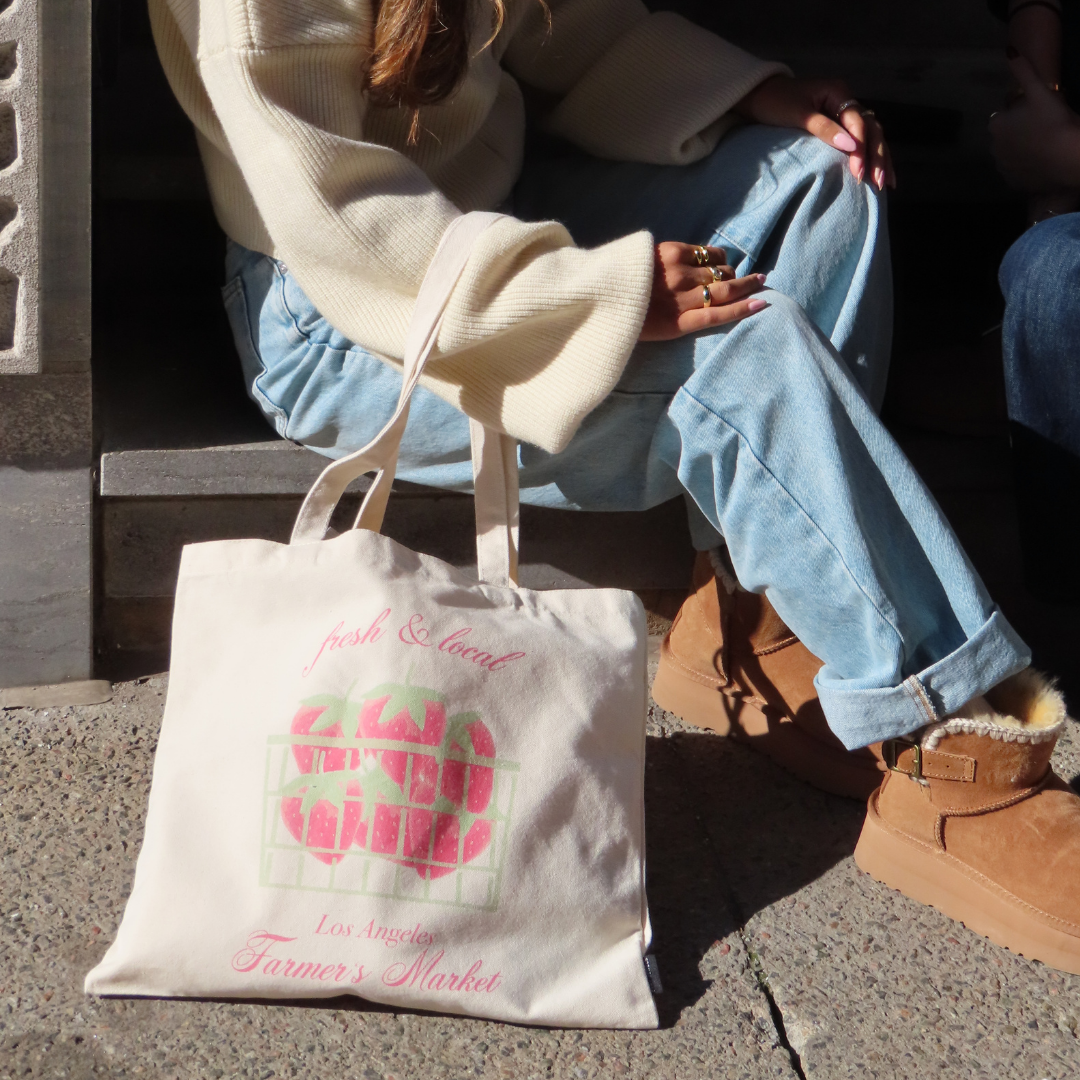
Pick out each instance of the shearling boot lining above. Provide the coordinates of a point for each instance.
(1024, 708)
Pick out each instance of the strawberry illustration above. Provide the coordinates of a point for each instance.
(323, 716)
(428, 810)
(326, 792)
(457, 792)
(321, 816)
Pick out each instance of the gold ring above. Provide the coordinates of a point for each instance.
(706, 296)
(717, 273)
(701, 255)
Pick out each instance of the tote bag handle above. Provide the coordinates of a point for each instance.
(494, 455)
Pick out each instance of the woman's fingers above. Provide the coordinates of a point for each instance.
(826, 109)
(854, 123)
(727, 273)
(829, 131)
(702, 318)
(705, 275)
(682, 282)
(885, 156)
(869, 159)
(672, 253)
(879, 166)
(720, 292)
(714, 256)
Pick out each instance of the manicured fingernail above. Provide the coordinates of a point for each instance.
(1012, 52)
(879, 178)
(843, 141)
(862, 173)
(756, 305)
(761, 278)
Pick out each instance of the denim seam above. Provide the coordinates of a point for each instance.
(753, 252)
(279, 276)
(293, 317)
(306, 338)
(914, 689)
(740, 245)
(280, 414)
(802, 509)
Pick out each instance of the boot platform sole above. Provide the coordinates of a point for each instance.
(705, 705)
(678, 692)
(940, 880)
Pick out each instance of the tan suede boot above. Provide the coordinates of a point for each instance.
(730, 664)
(974, 821)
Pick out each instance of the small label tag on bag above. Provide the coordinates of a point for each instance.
(652, 973)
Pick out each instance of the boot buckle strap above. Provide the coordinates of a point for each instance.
(891, 749)
(910, 759)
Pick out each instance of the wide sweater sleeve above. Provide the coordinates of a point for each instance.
(537, 331)
(633, 86)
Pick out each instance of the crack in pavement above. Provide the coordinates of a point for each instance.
(760, 978)
(774, 1009)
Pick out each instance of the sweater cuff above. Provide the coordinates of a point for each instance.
(539, 378)
(660, 95)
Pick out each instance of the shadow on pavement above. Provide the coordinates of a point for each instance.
(688, 902)
(728, 833)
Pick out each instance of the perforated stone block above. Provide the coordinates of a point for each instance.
(19, 182)
(44, 185)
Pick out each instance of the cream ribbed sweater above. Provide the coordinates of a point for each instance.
(301, 167)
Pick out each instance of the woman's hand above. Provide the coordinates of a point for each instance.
(1036, 141)
(677, 305)
(812, 104)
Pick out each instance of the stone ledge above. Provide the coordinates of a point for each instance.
(275, 467)
(83, 692)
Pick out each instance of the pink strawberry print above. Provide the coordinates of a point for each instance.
(432, 837)
(432, 827)
(322, 823)
(326, 790)
(333, 759)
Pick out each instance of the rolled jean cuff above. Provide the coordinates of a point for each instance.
(859, 717)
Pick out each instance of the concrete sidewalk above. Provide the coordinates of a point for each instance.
(779, 958)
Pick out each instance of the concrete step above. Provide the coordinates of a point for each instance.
(272, 467)
(153, 502)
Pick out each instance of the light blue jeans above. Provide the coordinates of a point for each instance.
(768, 425)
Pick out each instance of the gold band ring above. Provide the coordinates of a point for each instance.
(717, 273)
(706, 296)
(701, 255)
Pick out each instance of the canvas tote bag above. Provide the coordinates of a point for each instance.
(376, 776)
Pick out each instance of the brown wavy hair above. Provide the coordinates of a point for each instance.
(421, 52)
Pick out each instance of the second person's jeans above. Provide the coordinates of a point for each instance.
(1040, 278)
(769, 424)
